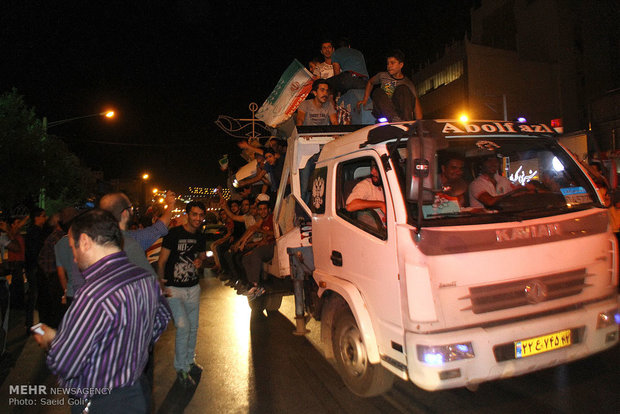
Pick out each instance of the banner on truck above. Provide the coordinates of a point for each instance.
(292, 88)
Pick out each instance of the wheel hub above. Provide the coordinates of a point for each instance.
(353, 352)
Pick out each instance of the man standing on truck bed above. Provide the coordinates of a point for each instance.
(317, 111)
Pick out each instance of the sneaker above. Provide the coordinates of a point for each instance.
(185, 379)
(195, 369)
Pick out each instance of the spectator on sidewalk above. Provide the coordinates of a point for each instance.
(119, 205)
(16, 257)
(52, 285)
(35, 236)
(104, 338)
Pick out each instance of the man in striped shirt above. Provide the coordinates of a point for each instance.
(101, 347)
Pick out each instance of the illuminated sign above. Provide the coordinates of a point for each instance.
(494, 128)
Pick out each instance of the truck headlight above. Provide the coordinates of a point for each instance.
(440, 354)
(605, 319)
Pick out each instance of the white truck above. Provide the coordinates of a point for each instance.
(439, 292)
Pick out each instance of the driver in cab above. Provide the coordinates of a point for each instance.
(490, 187)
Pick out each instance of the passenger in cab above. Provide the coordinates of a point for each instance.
(396, 99)
(452, 182)
(490, 187)
(368, 194)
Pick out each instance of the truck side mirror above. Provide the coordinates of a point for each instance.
(420, 166)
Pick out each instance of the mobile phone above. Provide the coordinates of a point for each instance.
(37, 329)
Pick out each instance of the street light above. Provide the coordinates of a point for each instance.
(46, 125)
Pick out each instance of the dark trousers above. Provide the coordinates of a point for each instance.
(16, 270)
(345, 81)
(31, 294)
(131, 399)
(399, 107)
(233, 260)
(253, 262)
(50, 295)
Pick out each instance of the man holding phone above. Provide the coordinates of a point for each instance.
(101, 347)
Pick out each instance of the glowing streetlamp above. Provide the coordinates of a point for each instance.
(46, 125)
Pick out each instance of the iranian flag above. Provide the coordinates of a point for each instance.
(292, 88)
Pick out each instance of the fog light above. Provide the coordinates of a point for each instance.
(449, 374)
(439, 355)
(608, 318)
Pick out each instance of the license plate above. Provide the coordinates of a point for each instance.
(540, 344)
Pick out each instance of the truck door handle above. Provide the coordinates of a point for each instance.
(336, 258)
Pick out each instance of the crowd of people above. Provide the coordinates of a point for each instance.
(95, 276)
(341, 69)
(105, 291)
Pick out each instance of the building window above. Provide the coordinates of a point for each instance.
(449, 74)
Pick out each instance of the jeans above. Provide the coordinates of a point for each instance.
(185, 306)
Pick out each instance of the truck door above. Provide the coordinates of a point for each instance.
(363, 246)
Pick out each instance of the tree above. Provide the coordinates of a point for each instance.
(32, 160)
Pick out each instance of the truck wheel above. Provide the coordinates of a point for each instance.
(360, 376)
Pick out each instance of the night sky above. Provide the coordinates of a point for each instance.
(169, 68)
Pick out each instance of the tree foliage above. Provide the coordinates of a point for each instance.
(32, 160)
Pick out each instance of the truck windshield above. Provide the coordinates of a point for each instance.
(489, 179)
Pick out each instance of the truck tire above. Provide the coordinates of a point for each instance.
(361, 377)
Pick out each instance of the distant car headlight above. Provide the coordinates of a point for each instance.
(440, 354)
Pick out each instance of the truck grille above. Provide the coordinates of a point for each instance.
(491, 298)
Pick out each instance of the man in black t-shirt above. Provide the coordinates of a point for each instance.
(182, 254)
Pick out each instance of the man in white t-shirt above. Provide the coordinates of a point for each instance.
(368, 194)
(317, 111)
(490, 187)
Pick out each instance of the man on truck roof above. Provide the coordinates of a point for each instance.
(317, 111)
(396, 98)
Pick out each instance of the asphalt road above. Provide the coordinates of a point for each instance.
(253, 364)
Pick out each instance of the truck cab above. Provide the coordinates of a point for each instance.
(436, 286)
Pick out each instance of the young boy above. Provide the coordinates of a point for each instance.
(396, 99)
